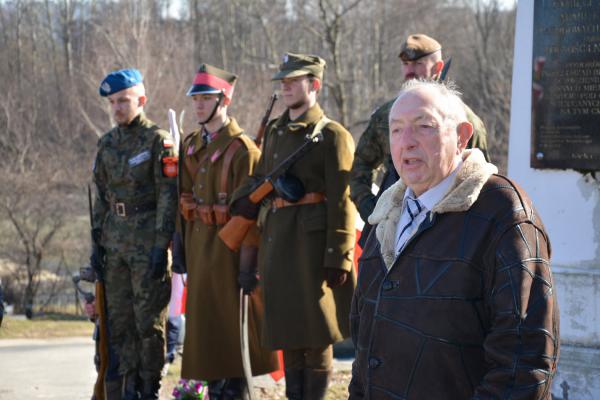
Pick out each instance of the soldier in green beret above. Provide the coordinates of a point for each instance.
(133, 222)
(217, 157)
(421, 58)
(307, 243)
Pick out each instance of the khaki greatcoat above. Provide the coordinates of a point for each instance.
(299, 242)
(212, 338)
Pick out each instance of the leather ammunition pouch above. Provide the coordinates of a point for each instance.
(209, 214)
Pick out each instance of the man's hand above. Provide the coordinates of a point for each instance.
(335, 277)
(366, 207)
(244, 207)
(248, 281)
(158, 263)
(90, 310)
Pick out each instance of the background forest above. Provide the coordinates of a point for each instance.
(54, 53)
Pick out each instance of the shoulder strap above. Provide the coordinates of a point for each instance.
(229, 153)
(321, 123)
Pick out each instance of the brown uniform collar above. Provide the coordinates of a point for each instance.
(311, 116)
(226, 134)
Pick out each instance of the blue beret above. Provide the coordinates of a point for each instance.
(119, 80)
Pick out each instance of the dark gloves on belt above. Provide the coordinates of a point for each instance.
(335, 277)
(178, 255)
(366, 207)
(244, 207)
(158, 263)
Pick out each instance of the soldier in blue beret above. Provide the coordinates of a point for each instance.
(133, 222)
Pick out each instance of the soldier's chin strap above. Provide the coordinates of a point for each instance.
(212, 114)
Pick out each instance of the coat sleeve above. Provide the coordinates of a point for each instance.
(522, 344)
(101, 204)
(341, 213)
(165, 192)
(356, 386)
(368, 157)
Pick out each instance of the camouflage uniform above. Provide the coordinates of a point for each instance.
(135, 210)
(373, 152)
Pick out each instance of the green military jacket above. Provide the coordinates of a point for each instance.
(128, 173)
(299, 242)
(373, 150)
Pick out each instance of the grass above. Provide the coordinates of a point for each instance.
(45, 326)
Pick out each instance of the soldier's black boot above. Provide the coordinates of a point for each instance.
(234, 389)
(315, 383)
(150, 388)
(294, 383)
(112, 389)
(215, 389)
(129, 388)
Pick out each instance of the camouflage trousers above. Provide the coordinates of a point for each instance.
(137, 310)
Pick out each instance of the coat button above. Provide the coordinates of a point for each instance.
(374, 363)
(387, 285)
(330, 250)
(203, 170)
(280, 132)
(200, 186)
(275, 156)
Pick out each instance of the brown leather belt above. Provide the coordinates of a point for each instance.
(309, 198)
(125, 210)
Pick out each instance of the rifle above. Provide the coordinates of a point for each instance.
(102, 343)
(234, 231)
(265, 121)
(444, 72)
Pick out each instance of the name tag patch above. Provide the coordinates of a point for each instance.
(140, 158)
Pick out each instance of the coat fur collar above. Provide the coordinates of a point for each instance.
(461, 195)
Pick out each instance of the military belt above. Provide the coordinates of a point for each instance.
(123, 209)
(308, 198)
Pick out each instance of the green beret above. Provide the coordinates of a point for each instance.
(300, 64)
(417, 46)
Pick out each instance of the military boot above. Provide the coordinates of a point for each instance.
(215, 389)
(234, 389)
(129, 387)
(315, 383)
(150, 388)
(294, 383)
(113, 388)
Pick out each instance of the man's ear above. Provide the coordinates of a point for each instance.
(438, 67)
(464, 132)
(142, 101)
(316, 84)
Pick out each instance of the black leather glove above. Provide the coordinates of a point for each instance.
(366, 207)
(335, 277)
(158, 263)
(248, 281)
(244, 207)
(178, 265)
(248, 277)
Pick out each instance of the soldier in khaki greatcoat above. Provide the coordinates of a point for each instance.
(133, 222)
(216, 159)
(306, 248)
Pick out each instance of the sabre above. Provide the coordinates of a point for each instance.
(244, 343)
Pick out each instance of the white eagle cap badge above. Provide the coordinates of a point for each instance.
(285, 58)
(106, 87)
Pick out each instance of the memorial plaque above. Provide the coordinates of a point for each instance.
(566, 85)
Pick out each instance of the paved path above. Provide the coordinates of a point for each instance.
(63, 369)
(54, 369)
